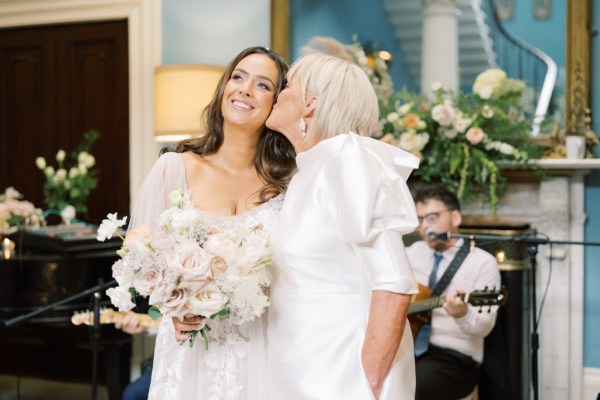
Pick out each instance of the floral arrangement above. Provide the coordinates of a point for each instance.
(461, 138)
(70, 186)
(16, 213)
(191, 269)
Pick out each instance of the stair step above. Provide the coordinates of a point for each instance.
(406, 18)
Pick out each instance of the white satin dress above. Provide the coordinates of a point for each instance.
(234, 365)
(338, 238)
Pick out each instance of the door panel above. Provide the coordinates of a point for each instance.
(60, 82)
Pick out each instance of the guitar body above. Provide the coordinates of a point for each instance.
(420, 319)
(419, 312)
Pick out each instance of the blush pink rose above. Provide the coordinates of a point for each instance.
(475, 135)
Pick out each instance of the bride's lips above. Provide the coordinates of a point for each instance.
(241, 105)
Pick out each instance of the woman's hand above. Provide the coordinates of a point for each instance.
(130, 323)
(387, 318)
(188, 324)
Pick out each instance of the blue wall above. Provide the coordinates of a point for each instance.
(341, 19)
(545, 34)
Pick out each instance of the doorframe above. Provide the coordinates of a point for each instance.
(144, 48)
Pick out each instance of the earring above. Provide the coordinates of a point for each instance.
(302, 126)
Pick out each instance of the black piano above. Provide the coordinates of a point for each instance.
(46, 266)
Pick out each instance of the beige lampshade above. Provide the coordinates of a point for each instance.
(181, 92)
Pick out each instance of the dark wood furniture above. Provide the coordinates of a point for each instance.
(49, 346)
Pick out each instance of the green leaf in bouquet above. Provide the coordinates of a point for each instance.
(154, 313)
(224, 313)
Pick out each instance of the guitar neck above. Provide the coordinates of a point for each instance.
(478, 298)
(110, 316)
(420, 306)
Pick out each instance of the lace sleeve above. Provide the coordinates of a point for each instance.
(167, 174)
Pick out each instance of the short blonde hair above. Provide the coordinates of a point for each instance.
(346, 99)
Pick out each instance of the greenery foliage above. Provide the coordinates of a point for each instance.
(70, 184)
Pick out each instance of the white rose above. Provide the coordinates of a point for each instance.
(73, 172)
(207, 303)
(506, 148)
(147, 280)
(487, 111)
(412, 142)
(61, 174)
(391, 117)
(444, 114)
(194, 265)
(173, 304)
(125, 280)
(67, 214)
(461, 124)
(49, 171)
(40, 162)
(219, 245)
(60, 156)
(121, 298)
(404, 108)
(90, 161)
(489, 83)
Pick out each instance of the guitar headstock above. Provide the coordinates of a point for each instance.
(485, 297)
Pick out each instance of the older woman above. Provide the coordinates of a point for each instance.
(343, 283)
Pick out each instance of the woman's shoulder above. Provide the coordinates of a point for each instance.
(169, 167)
(385, 154)
(168, 159)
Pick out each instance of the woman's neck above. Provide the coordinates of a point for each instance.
(238, 151)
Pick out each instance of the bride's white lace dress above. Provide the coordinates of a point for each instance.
(233, 367)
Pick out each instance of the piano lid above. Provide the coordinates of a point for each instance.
(66, 239)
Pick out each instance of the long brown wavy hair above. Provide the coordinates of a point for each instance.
(275, 156)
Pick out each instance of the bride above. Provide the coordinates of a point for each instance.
(235, 174)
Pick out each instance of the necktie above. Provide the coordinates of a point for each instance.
(437, 257)
(422, 339)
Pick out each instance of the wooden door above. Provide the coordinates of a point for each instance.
(57, 82)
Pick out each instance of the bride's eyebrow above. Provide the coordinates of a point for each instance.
(258, 75)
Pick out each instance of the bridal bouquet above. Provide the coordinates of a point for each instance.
(190, 269)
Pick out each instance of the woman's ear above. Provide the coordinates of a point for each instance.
(311, 107)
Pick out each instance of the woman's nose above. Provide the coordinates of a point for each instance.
(246, 88)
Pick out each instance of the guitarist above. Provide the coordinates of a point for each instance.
(449, 350)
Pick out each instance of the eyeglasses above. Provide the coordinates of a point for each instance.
(431, 217)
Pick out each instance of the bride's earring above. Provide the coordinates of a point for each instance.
(302, 126)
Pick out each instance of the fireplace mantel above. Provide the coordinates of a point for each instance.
(564, 164)
(553, 206)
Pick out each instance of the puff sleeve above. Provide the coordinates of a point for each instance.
(166, 175)
(371, 204)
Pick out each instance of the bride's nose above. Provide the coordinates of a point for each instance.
(246, 88)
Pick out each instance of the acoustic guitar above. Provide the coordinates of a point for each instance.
(110, 316)
(419, 312)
